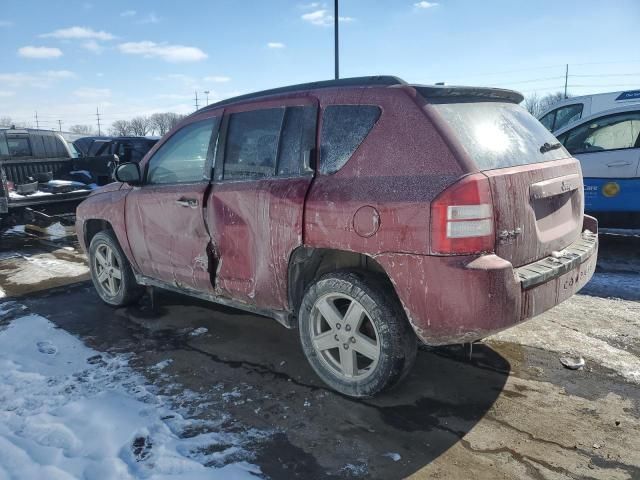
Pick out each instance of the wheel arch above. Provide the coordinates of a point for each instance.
(306, 264)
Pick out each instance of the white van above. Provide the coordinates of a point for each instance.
(608, 147)
(570, 110)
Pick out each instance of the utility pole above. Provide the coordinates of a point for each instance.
(37, 123)
(206, 92)
(566, 80)
(197, 107)
(98, 117)
(60, 125)
(336, 19)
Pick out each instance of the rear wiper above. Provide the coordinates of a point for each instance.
(547, 147)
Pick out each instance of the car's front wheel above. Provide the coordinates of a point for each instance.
(111, 272)
(354, 333)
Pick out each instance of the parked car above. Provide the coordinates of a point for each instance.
(608, 147)
(128, 149)
(572, 109)
(41, 177)
(367, 212)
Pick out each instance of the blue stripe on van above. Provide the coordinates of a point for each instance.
(627, 198)
(630, 95)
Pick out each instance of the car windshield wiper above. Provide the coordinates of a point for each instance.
(547, 147)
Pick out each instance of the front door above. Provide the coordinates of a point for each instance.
(164, 217)
(257, 198)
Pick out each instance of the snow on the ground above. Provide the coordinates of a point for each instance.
(69, 412)
(605, 331)
(41, 267)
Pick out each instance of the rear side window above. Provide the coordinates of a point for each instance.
(614, 132)
(344, 128)
(252, 144)
(498, 135)
(19, 147)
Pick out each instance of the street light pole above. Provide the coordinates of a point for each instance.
(206, 92)
(336, 19)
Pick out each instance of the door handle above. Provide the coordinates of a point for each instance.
(619, 164)
(187, 202)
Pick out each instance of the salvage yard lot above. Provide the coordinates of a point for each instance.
(208, 385)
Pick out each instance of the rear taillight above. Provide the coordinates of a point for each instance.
(10, 186)
(462, 218)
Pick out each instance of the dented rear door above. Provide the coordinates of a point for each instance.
(255, 208)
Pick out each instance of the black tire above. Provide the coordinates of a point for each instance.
(127, 291)
(396, 342)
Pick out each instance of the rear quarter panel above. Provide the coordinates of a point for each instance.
(393, 175)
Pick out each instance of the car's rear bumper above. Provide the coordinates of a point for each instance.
(465, 298)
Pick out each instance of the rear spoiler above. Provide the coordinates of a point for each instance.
(447, 94)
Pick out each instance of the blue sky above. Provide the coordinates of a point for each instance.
(64, 58)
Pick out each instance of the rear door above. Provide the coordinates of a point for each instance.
(164, 217)
(536, 186)
(257, 198)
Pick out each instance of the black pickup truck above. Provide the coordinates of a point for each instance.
(43, 177)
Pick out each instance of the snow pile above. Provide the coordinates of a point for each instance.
(2, 294)
(42, 267)
(67, 411)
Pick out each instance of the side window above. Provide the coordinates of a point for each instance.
(606, 133)
(566, 115)
(19, 147)
(548, 120)
(298, 140)
(344, 128)
(182, 158)
(252, 144)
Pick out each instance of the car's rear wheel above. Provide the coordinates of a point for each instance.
(355, 334)
(111, 272)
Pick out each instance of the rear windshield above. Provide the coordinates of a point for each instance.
(498, 135)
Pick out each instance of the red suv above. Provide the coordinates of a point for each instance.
(367, 212)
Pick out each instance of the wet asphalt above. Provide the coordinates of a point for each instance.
(505, 411)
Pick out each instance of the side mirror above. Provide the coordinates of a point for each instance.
(128, 173)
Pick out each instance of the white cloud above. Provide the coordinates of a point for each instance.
(169, 53)
(322, 18)
(150, 18)
(217, 79)
(93, 46)
(88, 92)
(59, 74)
(6, 93)
(5, 23)
(39, 52)
(79, 33)
(275, 45)
(39, 80)
(425, 5)
(128, 13)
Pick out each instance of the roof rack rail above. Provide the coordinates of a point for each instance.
(372, 81)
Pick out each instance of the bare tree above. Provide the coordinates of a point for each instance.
(82, 129)
(7, 121)
(535, 104)
(161, 123)
(121, 128)
(140, 126)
